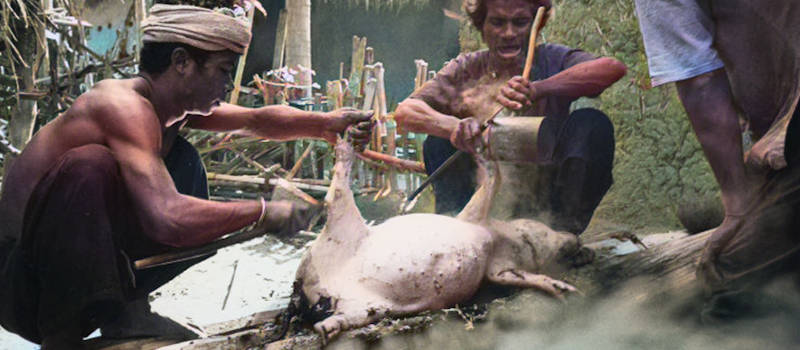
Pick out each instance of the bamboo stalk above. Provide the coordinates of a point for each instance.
(237, 81)
(280, 39)
(402, 164)
(299, 163)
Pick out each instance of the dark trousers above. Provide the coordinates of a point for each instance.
(72, 264)
(576, 158)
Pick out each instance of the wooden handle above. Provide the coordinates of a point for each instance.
(526, 73)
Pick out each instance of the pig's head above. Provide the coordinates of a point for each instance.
(532, 246)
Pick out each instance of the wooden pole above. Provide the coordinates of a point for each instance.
(237, 87)
(356, 69)
(402, 164)
(280, 39)
(299, 163)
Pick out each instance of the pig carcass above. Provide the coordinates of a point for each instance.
(357, 274)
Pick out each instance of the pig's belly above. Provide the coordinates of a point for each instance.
(422, 261)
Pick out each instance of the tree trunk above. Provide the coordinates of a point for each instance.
(298, 43)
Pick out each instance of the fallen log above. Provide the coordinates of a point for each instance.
(671, 264)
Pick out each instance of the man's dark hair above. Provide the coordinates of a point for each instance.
(155, 57)
(477, 10)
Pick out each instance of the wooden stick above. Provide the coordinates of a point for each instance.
(240, 67)
(299, 163)
(190, 253)
(532, 42)
(230, 284)
(402, 164)
(280, 39)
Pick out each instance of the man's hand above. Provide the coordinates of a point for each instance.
(517, 93)
(467, 136)
(340, 119)
(360, 134)
(284, 218)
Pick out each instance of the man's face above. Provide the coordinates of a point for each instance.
(506, 29)
(212, 81)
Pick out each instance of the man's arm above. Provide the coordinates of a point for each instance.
(588, 78)
(277, 122)
(167, 216)
(417, 116)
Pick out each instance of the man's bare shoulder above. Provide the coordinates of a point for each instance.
(113, 110)
(115, 98)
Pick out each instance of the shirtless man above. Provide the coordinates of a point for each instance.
(91, 193)
(576, 150)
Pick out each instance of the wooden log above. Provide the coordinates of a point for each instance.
(670, 265)
(513, 139)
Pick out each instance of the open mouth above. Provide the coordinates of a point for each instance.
(509, 51)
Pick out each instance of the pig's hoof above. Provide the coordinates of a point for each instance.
(329, 328)
(562, 289)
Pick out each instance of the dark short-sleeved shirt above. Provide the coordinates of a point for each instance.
(467, 87)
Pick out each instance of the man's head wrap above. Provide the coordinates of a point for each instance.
(195, 26)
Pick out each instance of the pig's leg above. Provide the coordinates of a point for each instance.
(358, 313)
(477, 209)
(344, 219)
(525, 279)
(353, 318)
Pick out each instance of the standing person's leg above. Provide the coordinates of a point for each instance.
(584, 156)
(709, 104)
(738, 259)
(456, 186)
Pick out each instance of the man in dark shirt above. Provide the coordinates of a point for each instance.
(575, 150)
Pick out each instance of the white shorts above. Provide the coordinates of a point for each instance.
(678, 39)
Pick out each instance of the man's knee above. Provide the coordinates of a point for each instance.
(595, 131)
(596, 121)
(88, 164)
